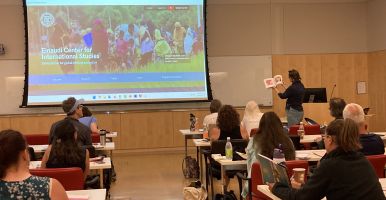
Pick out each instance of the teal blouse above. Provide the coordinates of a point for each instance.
(32, 188)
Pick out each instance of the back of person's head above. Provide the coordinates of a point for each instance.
(251, 110)
(354, 112)
(64, 146)
(12, 143)
(64, 132)
(336, 107)
(215, 106)
(294, 75)
(271, 134)
(71, 105)
(228, 118)
(346, 134)
(86, 112)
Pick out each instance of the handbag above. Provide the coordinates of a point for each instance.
(193, 193)
(190, 167)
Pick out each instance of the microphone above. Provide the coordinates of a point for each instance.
(332, 92)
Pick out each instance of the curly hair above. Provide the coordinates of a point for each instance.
(228, 118)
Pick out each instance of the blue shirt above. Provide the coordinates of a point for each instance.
(87, 121)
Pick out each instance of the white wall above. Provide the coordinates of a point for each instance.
(376, 25)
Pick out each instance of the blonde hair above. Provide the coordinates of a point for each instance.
(354, 112)
(251, 110)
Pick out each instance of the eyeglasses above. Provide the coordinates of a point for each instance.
(325, 136)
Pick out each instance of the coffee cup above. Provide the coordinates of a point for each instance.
(298, 174)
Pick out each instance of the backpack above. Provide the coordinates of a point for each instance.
(190, 167)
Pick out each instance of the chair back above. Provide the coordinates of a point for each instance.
(95, 138)
(256, 179)
(218, 146)
(291, 164)
(37, 139)
(308, 129)
(71, 178)
(378, 162)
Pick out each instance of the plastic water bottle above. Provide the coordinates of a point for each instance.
(278, 155)
(228, 149)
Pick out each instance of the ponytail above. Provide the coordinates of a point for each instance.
(348, 138)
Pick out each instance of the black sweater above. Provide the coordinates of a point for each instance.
(340, 175)
(294, 95)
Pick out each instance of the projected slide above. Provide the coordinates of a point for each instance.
(116, 51)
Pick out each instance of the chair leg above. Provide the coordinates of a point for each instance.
(211, 183)
(206, 174)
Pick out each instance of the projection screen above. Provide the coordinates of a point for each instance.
(116, 51)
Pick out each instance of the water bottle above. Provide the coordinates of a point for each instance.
(228, 149)
(278, 155)
(301, 131)
(102, 137)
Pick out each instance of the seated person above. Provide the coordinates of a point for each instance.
(371, 144)
(73, 109)
(89, 120)
(228, 125)
(336, 106)
(252, 116)
(344, 173)
(15, 180)
(65, 151)
(269, 136)
(215, 106)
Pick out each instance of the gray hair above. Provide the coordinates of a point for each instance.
(355, 112)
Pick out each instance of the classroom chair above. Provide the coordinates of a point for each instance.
(71, 178)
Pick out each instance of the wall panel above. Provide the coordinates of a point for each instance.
(324, 70)
(377, 90)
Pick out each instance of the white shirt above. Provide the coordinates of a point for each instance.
(210, 119)
(250, 124)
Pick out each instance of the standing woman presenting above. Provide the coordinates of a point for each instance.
(294, 95)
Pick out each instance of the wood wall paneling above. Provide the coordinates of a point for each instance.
(111, 122)
(34, 124)
(5, 123)
(146, 130)
(323, 70)
(377, 90)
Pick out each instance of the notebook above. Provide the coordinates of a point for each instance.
(273, 172)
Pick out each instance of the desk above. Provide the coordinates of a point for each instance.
(200, 144)
(108, 147)
(228, 165)
(309, 138)
(310, 155)
(93, 166)
(265, 190)
(190, 135)
(95, 194)
(112, 134)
